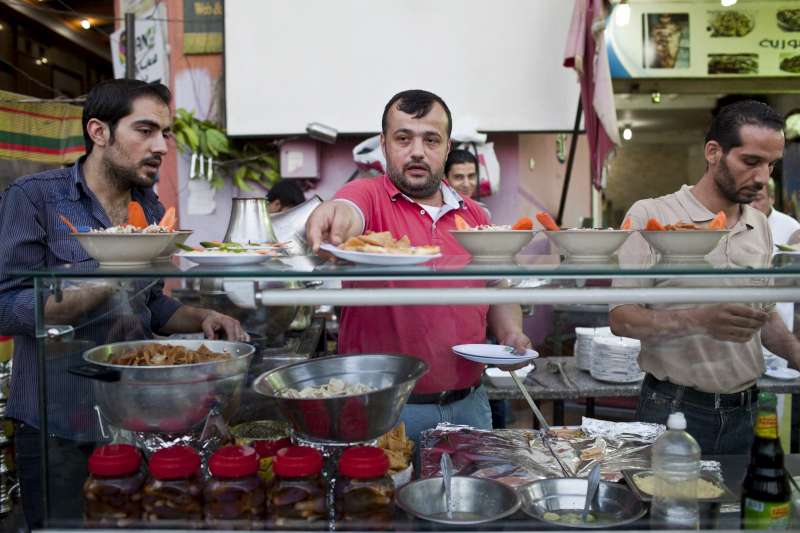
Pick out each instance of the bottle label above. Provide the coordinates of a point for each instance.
(765, 515)
(767, 426)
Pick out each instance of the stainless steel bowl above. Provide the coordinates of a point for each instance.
(475, 500)
(347, 419)
(168, 399)
(614, 504)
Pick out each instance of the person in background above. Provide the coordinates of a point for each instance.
(126, 126)
(704, 360)
(284, 195)
(784, 228)
(414, 199)
(461, 172)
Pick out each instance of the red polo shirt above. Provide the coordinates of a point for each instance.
(426, 332)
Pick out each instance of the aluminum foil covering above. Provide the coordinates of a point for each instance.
(516, 457)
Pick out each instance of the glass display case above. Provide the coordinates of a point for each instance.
(85, 395)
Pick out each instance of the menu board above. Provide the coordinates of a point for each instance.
(703, 39)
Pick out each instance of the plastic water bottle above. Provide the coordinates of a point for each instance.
(676, 467)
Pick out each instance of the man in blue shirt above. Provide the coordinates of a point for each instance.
(126, 124)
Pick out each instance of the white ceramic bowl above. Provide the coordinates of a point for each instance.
(686, 245)
(493, 245)
(588, 244)
(124, 249)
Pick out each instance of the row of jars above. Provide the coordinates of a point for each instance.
(271, 480)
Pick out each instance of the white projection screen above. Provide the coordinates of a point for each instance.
(497, 63)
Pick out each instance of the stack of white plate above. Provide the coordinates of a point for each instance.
(614, 359)
(584, 338)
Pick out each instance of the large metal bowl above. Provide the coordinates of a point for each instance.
(169, 399)
(614, 504)
(475, 500)
(347, 419)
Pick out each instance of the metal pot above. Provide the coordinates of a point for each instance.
(166, 399)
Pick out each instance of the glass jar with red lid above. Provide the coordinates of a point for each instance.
(174, 489)
(266, 450)
(299, 492)
(234, 492)
(364, 490)
(112, 493)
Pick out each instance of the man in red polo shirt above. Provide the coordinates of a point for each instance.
(413, 199)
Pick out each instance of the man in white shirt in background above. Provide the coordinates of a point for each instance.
(785, 230)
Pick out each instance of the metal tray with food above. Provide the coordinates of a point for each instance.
(718, 491)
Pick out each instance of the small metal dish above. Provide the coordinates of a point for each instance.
(475, 501)
(630, 474)
(613, 504)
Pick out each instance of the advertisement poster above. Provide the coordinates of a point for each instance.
(703, 39)
(152, 61)
(202, 26)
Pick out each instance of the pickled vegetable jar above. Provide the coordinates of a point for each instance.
(364, 490)
(298, 493)
(266, 450)
(113, 491)
(234, 492)
(174, 490)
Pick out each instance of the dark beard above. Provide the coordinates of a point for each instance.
(425, 190)
(726, 183)
(125, 178)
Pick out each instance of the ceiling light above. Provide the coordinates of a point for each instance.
(727, 3)
(627, 133)
(1, 26)
(655, 97)
(86, 24)
(38, 61)
(622, 14)
(43, 60)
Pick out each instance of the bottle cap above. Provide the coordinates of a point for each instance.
(364, 462)
(297, 461)
(175, 462)
(677, 421)
(114, 460)
(234, 461)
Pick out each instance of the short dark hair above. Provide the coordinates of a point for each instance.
(111, 100)
(418, 103)
(288, 192)
(726, 125)
(457, 157)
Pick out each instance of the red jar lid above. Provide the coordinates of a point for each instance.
(4, 338)
(175, 462)
(114, 460)
(363, 462)
(297, 461)
(270, 448)
(234, 461)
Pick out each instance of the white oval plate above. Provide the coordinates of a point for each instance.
(224, 259)
(493, 354)
(783, 373)
(366, 258)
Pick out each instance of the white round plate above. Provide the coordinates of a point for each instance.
(366, 258)
(493, 354)
(224, 259)
(783, 373)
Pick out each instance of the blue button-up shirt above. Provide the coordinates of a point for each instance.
(34, 237)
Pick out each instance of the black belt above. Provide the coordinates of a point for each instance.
(444, 397)
(705, 399)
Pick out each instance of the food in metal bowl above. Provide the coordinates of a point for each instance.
(165, 354)
(705, 488)
(335, 388)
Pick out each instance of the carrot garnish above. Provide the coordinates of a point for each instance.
(523, 223)
(69, 224)
(136, 215)
(461, 224)
(628, 224)
(654, 225)
(547, 221)
(719, 222)
(169, 219)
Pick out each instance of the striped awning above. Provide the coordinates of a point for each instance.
(48, 132)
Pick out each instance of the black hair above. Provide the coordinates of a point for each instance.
(727, 123)
(111, 100)
(457, 157)
(418, 103)
(288, 192)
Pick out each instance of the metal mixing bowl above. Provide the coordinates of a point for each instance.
(346, 419)
(614, 504)
(475, 500)
(168, 399)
